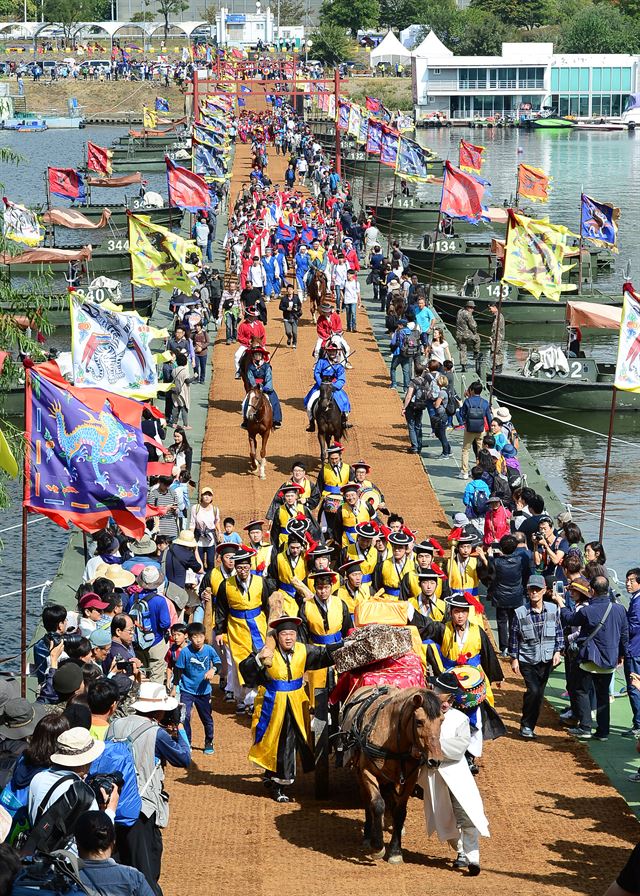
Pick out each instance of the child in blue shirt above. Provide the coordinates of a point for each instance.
(194, 671)
(228, 533)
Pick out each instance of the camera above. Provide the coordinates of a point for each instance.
(174, 717)
(538, 537)
(71, 639)
(125, 666)
(104, 781)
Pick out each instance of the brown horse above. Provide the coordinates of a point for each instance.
(390, 734)
(245, 361)
(317, 288)
(328, 419)
(259, 418)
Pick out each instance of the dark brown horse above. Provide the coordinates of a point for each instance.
(245, 362)
(317, 288)
(259, 418)
(328, 420)
(390, 734)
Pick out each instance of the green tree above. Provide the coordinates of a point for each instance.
(291, 12)
(168, 8)
(402, 13)
(351, 14)
(330, 44)
(599, 29)
(521, 13)
(440, 17)
(145, 14)
(69, 13)
(478, 33)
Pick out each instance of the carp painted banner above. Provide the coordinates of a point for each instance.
(85, 459)
(628, 362)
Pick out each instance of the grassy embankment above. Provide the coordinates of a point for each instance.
(101, 98)
(395, 93)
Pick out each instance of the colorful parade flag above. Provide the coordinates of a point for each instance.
(373, 105)
(285, 233)
(162, 104)
(361, 138)
(207, 162)
(389, 146)
(331, 108)
(244, 88)
(85, 459)
(599, 222)
(533, 255)
(462, 195)
(533, 183)
(374, 137)
(186, 189)
(628, 364)
(149, 118)
(470, 157)
(8, 462)
(241, 102)
(411, 162)
(99, 159)
(112, 350)
(343, 115)
(159, 257)
(207, 137)
(404, 122)
(20, 224)
(355, 117)
(66, 183)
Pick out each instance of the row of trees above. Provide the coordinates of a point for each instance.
(574, 26)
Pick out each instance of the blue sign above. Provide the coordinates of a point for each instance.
(236, 19)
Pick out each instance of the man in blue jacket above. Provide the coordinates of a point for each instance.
(632, 659)
(476, 416)
(603, 642)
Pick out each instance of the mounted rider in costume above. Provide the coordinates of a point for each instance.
(328, 369)
(260, 373)
(250, 328)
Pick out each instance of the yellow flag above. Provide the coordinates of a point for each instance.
(7, 460)
(533, 256)
(159, 257)
(149, 118)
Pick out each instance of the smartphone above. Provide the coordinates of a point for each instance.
(558, 587)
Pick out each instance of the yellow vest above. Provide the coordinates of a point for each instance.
(414, 585)
(463, 581)
(390, 580)
(322, 636)
(246, 623)
(469, 652)
(333, 479)
(368, 561)
(271, 704)
(286, 573)
(351, 519)
(261, 559)
(437, 611)
(285, 517)
(352, 600)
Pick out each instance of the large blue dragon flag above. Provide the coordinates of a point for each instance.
(111, 350)
(85, 459)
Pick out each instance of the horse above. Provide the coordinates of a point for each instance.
(389, 734)
(317, 287)
(245, 361)
(259, 417)
(328, 419)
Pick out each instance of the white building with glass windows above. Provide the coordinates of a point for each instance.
(526, 77)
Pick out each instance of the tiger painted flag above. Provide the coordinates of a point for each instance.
(533, 255)
(159, 257)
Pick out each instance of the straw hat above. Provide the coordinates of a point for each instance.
(143, 547)
(187, 539)
(113, 572)
(76, 747)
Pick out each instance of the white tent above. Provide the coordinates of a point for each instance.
(431, 48)
(390, 50)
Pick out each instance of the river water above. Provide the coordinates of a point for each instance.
(606, 166)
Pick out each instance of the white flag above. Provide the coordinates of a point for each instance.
(628, 363)
(20, 224)
(111, 350)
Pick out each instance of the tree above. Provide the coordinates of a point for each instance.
(440, 17)
(291, 12)
(599, 29)
(330, 44)
(402, 13)
(144, 15)
(478, 33)
(521, 13)
(351, 14)
(168, 8)
(69, 13)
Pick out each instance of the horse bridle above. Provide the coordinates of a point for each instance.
(252, 408)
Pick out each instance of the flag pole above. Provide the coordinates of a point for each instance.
(605, 481)
(517, 196)
(393, 202)
(495, 335)
(133, 289)
(378, 183)
(437, 231)
(580, 244)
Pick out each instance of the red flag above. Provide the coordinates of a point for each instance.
(99, 159)
(372, 104)
(471, 157)
(186, 189)
(67, 183)
(462, 195)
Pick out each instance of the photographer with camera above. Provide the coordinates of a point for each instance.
(548, 549)
(54, 622)
(121, 650)
(63, 680)
(156, 737)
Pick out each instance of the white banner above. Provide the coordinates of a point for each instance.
(628, 363)
(21, 225)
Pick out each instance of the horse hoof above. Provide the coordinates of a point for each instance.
(395, 860)
(379, 854)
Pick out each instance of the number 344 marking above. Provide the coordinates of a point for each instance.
(118, 245)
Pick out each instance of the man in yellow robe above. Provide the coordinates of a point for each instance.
(280, 726)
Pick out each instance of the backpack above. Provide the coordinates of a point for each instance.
(475, 415)
(410, 345)
(479, 502)
(53, 827)
(144, 635)
(405, 262)
(452, 400)
(420, 399)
